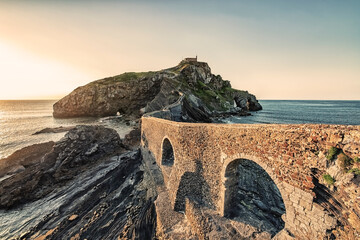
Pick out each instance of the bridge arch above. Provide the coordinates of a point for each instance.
(167, 153)
(252, 193)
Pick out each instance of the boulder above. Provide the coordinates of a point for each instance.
(24, 157)
(54, 130)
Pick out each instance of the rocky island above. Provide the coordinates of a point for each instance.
(179, 175)
(131, 94)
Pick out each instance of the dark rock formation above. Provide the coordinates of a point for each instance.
(24, 158)
(132, 139)
(166, 96)
(247, 102)
(193, 110)
(129, 93)
(54, 130)
(108, 201)
(74, 153)
(126, 94)
(252, 197)
(87, 186)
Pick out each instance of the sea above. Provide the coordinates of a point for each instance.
(303, 111)
(20, 119)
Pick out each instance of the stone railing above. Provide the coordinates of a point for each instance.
(287, 153)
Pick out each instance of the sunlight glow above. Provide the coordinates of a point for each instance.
(275, 50)
(27, 76)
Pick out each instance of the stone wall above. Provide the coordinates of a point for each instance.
(286, 152)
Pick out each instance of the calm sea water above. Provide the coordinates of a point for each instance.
(20, 119)
(304, 111)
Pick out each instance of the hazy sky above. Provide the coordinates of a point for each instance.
(286, 49)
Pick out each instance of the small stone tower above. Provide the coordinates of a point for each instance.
(191, 59)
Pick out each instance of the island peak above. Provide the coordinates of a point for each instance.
(131, 94)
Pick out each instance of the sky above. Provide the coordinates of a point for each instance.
(279, 49)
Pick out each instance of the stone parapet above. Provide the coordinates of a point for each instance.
(287, 153)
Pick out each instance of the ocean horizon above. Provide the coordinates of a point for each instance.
(19, 119)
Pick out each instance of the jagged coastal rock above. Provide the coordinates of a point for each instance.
(23, 158)
(56, 164)
(132, 94)
(88, 185)
(54, 130)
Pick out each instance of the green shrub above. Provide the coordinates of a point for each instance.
(345, 161)
(201, 84)
(356, 171)
(356, 159)
(328, 179)
(333, 151)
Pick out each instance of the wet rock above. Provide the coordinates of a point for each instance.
(16, 169)
(241, 102)
(74, 153)
(132, 139)
(54, 130)
(82, 145)
(108, 201)
(25, 157)
(247, 102)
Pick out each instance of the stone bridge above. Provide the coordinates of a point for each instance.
(272, 167)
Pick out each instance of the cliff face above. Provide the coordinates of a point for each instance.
(128, 93)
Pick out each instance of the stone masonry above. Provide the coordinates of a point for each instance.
(286, 152)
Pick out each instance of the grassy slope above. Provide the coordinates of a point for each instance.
(125, 77)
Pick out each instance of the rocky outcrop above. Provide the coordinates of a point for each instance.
(132, 139)
(246, 101)
(336, 188)
(124, 94)
(86, 186)
(108, 201)
(54, 130)
(24, 158)
(132, 94)
(251, 196)
(77, 151)
(193, 110)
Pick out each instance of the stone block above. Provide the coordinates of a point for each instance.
(289, 188)
(306, 196)
(305, 204)
(330, 221)
(304, 227)
(317, 211)
(303, 219)
(294, 198)
(299, 209)
(290, 216)
(315, 219)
